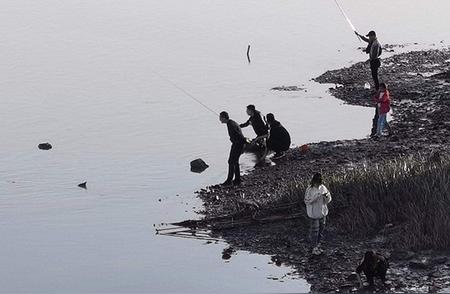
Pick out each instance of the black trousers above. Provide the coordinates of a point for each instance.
(374, 123)
(233, 162)
(374, 66)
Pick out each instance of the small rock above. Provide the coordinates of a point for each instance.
(83, 185)
(45, 146)
(198, 165)
(352, 277)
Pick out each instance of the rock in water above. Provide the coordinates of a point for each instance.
(198, 165)
(45, 146)
(83, 185)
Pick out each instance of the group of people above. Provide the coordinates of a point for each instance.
(381, 99)
(270, 134)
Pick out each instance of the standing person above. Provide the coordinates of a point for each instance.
(317, 197)
(256, 121)
(374, 50)
(279, 139)
(383, 101)
(237, 144)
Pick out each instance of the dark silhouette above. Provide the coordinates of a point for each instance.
(374, 50)
(373, 265)
(256, 121)
(237, 146)
(279, 139)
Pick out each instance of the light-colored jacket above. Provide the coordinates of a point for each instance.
(316, 200)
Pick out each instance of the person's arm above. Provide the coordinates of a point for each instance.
(246, 124)
(325, 193)
(362, 37)
(311, 197)
(260, 137)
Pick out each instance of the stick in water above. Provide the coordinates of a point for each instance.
(248, 54)
(346, 17)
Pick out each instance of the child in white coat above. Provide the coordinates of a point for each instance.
(317, 197)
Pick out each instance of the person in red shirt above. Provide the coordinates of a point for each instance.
(383, 101)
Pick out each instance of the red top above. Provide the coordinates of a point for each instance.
(384, 102)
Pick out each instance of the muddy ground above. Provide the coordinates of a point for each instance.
(420, 88)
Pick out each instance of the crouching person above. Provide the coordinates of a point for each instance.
(373, 265)
(317, 197)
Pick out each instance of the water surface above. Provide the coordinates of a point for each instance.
(86, 76)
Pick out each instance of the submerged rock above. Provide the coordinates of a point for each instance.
(198, 165)
(45, 146)
(287, 88)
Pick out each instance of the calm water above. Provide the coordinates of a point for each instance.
(85, 76)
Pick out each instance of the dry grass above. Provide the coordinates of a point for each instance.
(411, 194)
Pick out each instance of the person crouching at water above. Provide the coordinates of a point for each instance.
(279, 139)
(237, 144)
(374, 50)
(256, 121)
(383, 100)
(317, 197)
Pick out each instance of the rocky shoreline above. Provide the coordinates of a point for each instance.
(420, 87)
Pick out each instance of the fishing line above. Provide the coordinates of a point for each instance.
(346, 17)
(186, 93)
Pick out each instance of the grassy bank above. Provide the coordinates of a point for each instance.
(407, 199)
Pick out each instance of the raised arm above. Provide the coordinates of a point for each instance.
(362, 37)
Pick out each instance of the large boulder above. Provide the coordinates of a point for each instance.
(198, 165)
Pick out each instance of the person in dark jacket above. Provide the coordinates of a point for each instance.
(279, 139)
(374, 50)
(256, 121)
(237, 144)
(373, 265)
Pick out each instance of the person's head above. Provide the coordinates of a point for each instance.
(270, 118)
(224, 117)
(316, 180)
(383, 87)
(372, 35)
(251, 109)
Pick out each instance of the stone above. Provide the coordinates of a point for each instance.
(83, 185)
(45, 146)
(198, 165)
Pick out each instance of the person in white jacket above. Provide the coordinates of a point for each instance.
(317, 197)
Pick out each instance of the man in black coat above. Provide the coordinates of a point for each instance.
(237, 145)
(256, 121)
(279, 139)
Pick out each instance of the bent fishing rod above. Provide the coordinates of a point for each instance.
(347, 19)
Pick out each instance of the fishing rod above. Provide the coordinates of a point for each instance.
(186, 93)
(346, 18)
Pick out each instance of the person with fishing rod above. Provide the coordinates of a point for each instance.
(237, 145)
(374, 50)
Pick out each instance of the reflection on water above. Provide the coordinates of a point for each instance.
(81, 75)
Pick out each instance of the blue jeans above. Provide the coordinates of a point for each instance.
(316, 230)
(381, 123)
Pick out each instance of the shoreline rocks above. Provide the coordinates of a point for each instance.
(420, 91)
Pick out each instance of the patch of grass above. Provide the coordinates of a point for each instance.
(409, 195)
